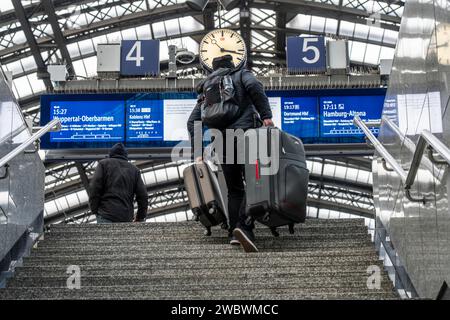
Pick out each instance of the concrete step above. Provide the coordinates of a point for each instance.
(190, 224)
(197, 228)
(218, 257)
(137, 250)
(185, 284)
(144, 292)
(207, 270)
(267, 242)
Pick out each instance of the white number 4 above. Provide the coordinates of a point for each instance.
(307, 47)
(135, 54)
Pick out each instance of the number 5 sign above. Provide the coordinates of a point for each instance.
(139, 58)
(306, 54)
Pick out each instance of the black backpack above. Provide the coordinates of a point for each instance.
(220, 107)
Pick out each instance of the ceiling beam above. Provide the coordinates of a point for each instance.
(60, 40)
(32, 44)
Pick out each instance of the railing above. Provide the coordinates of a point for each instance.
(52, 126)
(427, 140)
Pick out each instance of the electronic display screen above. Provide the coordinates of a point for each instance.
(145, 120)
(299, 116)
(149, 120)
(90, 121)
(337, 114)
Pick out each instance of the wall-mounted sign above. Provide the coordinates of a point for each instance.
(140, 58)
(306, 54)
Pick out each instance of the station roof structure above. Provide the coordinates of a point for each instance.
(34, 34)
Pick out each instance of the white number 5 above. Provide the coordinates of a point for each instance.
(138, 55)
(307, 48)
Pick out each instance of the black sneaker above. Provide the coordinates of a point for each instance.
(234, 241)
(246, 239)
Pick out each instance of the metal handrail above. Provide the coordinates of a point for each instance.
(410, 145)
(426, 140)
(52, 126)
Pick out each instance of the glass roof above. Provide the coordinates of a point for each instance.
(367, 44)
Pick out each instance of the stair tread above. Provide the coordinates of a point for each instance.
(324, 259)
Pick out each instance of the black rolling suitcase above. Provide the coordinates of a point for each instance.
(277, 199)
(204, 196)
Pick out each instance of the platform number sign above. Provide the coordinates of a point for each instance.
(140, 58)
(306, 54)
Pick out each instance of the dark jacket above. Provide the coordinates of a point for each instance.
(251, 98)
(115, 184)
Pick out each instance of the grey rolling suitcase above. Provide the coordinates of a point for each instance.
(204, 196)
(279, 198)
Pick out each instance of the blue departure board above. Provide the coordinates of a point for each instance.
(299, 116)
(89, 121)
(337, 114)
(145, 120)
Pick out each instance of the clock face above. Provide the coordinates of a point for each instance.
(221, 42)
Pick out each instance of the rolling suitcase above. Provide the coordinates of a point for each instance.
(279, 198)
(204, 196)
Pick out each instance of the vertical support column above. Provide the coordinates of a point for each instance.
(280, 44)
(83, 176)
(245, 23)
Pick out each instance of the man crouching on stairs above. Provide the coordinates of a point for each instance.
(113, 188)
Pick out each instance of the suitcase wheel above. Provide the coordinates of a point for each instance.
(266, 217)
(291, 229)
(196, 215)
(208, 232)
(224, 226)
(274, 232)
(212, 210)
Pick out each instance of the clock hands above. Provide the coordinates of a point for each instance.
(229, 51)
(223, 49)
(215, 42)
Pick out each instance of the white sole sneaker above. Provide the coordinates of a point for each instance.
(246, 243)
(235, 242)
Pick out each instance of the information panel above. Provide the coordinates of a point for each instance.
(176, 115)
(299, 116)
(145, 120)
(89, 121)
(338, 112)
(160, 119)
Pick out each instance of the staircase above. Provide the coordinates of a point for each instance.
(324, 259)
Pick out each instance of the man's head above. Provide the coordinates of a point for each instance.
(225, 61)
(118, 151)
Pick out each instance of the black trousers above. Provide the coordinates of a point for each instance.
(234, 177)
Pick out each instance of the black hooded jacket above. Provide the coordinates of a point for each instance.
(114, 186)
(251, 98)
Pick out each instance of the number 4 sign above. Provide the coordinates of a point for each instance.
(140, 57)
(306, 54)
